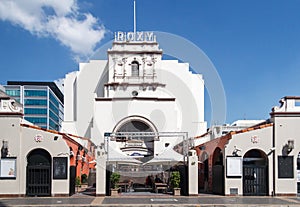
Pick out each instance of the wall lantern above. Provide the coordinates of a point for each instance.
(287, 148)
(4, 149)
(235, 151)
(78, 157)
(71, 152)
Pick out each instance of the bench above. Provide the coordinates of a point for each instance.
(160, 186)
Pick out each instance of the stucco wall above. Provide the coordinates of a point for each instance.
(21, 141)
(287, 128)
(58, 148)
(10, 131)
(242, 141)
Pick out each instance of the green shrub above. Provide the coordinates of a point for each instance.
(84, 178)
(77, 181)
(114, 179)
(175, 179)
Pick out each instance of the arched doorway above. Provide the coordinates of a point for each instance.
(130, 147)
(217, 172)
(38, 173)
(255, 173)
(203, 172)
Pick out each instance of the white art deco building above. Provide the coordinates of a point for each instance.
(134, 90)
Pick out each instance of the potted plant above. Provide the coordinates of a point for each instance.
(78, 183)
(175, 182)
(114, 180)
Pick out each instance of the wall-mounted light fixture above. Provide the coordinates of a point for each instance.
(71, 152)
(4, 149)
(235, 151)
(271, 151)
(287, 148)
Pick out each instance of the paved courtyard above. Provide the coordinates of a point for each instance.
(152, 200)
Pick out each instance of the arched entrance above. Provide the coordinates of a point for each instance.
(203, 174)
(141, 147)
(255, 172)
(218, 172)
(38, 173)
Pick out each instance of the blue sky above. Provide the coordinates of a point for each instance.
(254, 45)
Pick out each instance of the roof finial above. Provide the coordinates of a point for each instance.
(134, 20)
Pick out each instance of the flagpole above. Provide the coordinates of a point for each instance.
(134, 20)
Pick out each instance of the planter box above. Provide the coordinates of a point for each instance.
(176, 192)
(114, 192)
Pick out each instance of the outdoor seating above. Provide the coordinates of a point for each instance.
(124, 186)
(160, 186)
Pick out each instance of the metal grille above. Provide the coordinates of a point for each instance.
(38, 180)
(254, 180)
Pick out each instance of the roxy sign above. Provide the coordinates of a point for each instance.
(135, 36)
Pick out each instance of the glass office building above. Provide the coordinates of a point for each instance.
(43, 102)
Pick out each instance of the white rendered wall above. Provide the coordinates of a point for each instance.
(10, 131)
(178, 82)
(243, 142)
(21, 142)
(58, 148)
(286, 128)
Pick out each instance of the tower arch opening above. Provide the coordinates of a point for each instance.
(135, 68)
(140, 147)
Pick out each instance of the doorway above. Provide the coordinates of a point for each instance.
(255, 173)
(218, 172)
(38, 173)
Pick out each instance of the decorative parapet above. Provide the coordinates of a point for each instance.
(9, 105)
(288, 104)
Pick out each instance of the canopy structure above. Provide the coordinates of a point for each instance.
(167, 157)
(116, 156)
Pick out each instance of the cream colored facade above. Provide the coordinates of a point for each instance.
(21, 139)
(276, 144)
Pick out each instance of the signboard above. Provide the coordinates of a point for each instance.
(285, 166)
(234, 166)
(60, 167)
(8, 168)
(136, 37)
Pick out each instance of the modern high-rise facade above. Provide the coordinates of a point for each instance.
(43, 102)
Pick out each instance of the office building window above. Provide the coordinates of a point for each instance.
(35, 102)
(35, 111)
(35, 93)
(12, 92)
(37, 120)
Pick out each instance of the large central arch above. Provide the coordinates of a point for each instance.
(140, 147)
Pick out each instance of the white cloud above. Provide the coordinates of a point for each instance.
(58, 19)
